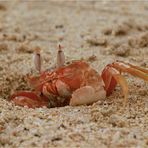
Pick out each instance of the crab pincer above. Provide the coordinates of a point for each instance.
(29, 99)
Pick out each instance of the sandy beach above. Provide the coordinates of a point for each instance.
(98, 32)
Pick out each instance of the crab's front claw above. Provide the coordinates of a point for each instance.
(87, 95)
(29, 99)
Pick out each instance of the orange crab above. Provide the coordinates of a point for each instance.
(75, 84)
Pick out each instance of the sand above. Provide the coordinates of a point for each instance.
(97, 32)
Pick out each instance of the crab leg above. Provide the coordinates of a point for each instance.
(121, 81)
(135, 67)
(111, 77)
(60, 57)
(30, 99)
(133, 70)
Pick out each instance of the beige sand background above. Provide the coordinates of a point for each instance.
(96, 31)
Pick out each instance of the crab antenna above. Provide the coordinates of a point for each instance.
(37, 59)
(60, 57)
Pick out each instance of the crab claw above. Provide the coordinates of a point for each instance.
(30, 99)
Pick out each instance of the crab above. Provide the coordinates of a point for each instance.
(74, 84)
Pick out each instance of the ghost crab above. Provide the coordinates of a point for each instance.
(75, 84)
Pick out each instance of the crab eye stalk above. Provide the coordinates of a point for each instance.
(60, 57)
(37, 59)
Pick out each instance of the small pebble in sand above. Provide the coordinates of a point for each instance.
(1, 27)
(3, 47)
(24, 48)
(1, 68)
(77, 137)
(96, 115)
(107, 31)
(141, 27)
(96, 41)
(139, 41)
(144, 64)
(143, 40)
(121, 29)
(59, 26)
(14, 37)
(122, 50)
(56, 138)
(107, 112)
(1, 128)
(3, 7)
(118, 121)
(92, 58)
(143, 92)
(17, 29)
(116, 137)
(10, 37)
(132, 41)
